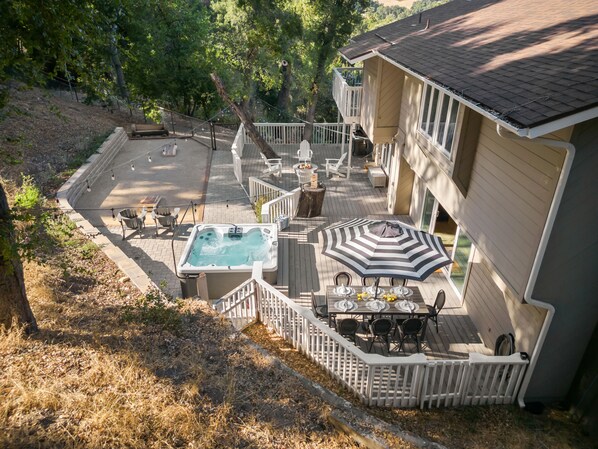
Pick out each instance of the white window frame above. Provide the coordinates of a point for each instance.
(433, 103)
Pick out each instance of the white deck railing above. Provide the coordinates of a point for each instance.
(377, 380)
(259, 188)
(239, 142)
(292, 133)
(283, 205)
(237, 166)
(347, 91)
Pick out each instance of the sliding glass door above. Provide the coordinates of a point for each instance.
(436, 220)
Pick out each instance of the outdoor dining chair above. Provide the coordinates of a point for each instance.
(274, 165)
(320, 311)
(165, 217)
(410, 330)
(434, 311)
(348, 328)
(130, 219)
(368, 281)
(342, 278)
(505, 344)
(380, 330)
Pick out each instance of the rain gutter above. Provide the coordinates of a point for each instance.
(531, 283)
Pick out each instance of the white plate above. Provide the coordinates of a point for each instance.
(344, 305)
(343, 290)
(377, 305)
(402, 291)
(372, 291)
(406, 306)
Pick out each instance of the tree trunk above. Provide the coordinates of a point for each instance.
(285, 90)
(14, 306)
(244, 117)
(118, 69)
(308, 131)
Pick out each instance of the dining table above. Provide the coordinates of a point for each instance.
(344, 300)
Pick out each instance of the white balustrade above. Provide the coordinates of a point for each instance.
(237, 167)
(285, 204)
(377, 380)
(347, 91)
(239, 142)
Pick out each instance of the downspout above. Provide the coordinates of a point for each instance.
(552, 212)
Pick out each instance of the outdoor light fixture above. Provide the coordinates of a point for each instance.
(88, 186)
(132, 167)
(149, 157)
(112, 176)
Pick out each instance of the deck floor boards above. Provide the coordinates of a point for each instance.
(309, 270)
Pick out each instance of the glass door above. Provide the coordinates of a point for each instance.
(429, 213)
(460, 256)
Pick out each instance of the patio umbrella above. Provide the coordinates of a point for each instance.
(374, 248)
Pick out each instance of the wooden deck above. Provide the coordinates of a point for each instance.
(303, 268)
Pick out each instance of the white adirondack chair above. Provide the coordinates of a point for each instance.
(334, 165)
(274, 165)
(304, 153)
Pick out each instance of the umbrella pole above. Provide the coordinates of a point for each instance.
(376, 283)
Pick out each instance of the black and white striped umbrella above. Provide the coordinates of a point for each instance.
(374, 248)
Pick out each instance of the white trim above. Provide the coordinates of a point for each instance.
(561, 123)
(531, 283)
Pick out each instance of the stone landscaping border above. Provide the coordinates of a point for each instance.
(70, 192)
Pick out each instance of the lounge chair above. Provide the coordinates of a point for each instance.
(304, 153)
(274, 165)
(334, 165)
(130, 219)
(165, 217)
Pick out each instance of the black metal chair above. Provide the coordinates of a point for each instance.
(130, 219)
(342, 278)
(348, 328)
(320, 311)
(410, 330)
(505, 344)
(165, 217)
(396, 282)
(380, 330)
(434, 311)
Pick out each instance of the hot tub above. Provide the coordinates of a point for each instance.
(226, 253)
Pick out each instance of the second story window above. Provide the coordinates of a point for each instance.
(438, 118)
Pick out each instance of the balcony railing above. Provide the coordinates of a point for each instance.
(413, 381)
(346, 91)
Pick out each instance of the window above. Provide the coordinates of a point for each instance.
(438, 118)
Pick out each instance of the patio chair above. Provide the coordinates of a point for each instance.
(395, 282)
(342, 278)
(334, 165)
(274, 165)
(348, 328)
(320, 311)
(165, 217)
(130, 219)
(410, 330)
(434, 311)
(304, 153)
(380, 330)
(368, 281)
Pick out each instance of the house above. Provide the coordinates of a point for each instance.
(484, 116)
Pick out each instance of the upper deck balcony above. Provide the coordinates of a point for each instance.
(347, 90)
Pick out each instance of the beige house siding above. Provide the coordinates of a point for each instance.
(495, 311)
(511, 187)
(369, 96)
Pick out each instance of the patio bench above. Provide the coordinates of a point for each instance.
(140, 130)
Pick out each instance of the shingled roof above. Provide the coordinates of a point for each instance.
(526, 62)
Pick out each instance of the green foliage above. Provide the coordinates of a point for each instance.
(90, 148)
(257, 207)
(155, 309)
(28, 196)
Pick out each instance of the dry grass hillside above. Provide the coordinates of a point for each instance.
(113, 368)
